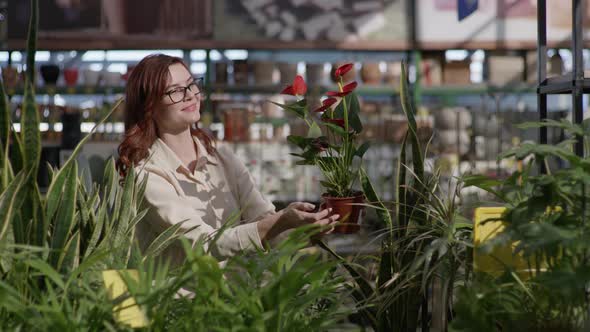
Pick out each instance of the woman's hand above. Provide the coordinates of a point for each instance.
(300, 214)
(295, 215)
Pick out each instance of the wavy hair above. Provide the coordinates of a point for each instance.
(145, 87)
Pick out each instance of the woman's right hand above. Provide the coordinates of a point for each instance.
(295, 215)
(300, 214)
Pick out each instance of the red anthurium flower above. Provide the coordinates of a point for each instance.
(339, 122)
(340, 71)
(348, 88)
(326, 104)
(298, 88)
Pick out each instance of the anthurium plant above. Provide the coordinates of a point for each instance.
(333, 129)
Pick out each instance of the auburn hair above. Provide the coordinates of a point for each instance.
(143, 94)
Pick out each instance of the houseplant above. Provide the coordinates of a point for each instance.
(331, 144)
(424, 243)
(546, 220)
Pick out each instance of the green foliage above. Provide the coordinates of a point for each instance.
(284, 290)
(334, 150)
(424, 245)
(547, 217)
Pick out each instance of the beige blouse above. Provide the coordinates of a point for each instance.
(220, 190)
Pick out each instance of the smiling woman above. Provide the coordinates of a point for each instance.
(190, 180)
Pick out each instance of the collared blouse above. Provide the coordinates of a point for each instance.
(220, 190)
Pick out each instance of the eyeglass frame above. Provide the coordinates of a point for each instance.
(198, 81)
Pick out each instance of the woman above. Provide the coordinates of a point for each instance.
(189, 180)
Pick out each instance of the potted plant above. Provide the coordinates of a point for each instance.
(331, 145)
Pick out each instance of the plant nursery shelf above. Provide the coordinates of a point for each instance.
(70, 90)
(103, 41)
(564, 84)
(476, 89)
(100, 40)
(365, 90)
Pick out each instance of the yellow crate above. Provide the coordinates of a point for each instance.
(501, 257)
(126, 312)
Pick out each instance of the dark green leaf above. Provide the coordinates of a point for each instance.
(5, 129)
(17, 157)
(364, 285)
(71, 257)
(563, 124)
(299, 141)
(165, 239)
(31, 136)
(47, 271)
(354, 109)
(11, 200)
(54, 193)
(374, 199)
(64, 220)
(402, 206)
(485, 183)
(353, 106)
(98, 222)
(32, 41)
(297, 108)
(417, 158)
(542, 150)
(360, 152)
(336, 129)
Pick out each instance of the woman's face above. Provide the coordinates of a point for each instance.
(180, 102)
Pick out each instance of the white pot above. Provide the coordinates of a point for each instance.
(393, 73)
(491, 148)
(492, 127)
(451, 141)
(271, 110)
(480, 123)
(452, 118)
(111, 78)
(91, 77)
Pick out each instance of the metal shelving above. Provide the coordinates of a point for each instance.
(575, 83)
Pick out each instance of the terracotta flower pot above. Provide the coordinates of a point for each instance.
(10, 77)
(236, 123)
(71, 76)
(241, 72)
(370, 73)
(347, 209)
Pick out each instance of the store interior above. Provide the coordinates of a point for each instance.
(473, 81)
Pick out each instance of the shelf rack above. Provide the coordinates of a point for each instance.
(575, 83)
(364, 90)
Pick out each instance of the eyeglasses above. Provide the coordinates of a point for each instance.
(178, 94)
